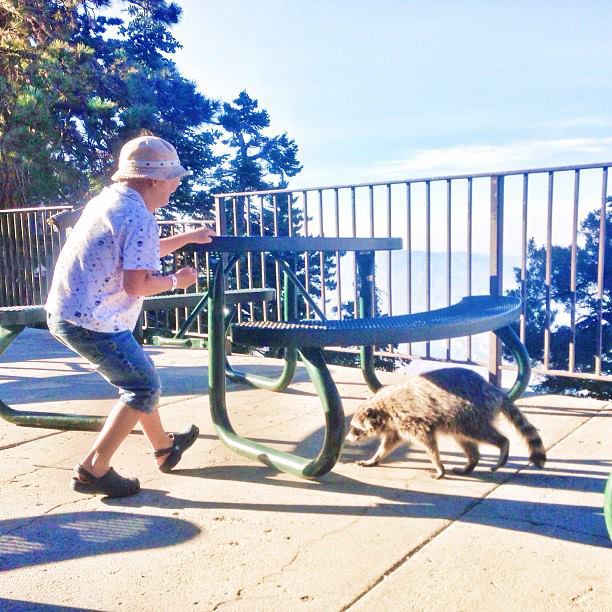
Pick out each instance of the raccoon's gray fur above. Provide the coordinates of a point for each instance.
(454, 401)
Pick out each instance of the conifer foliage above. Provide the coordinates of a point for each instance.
(80, 77)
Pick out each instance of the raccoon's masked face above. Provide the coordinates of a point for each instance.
(366, 422)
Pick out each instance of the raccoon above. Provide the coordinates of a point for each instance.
(454, 401)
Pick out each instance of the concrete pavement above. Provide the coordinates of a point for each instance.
(225, 533)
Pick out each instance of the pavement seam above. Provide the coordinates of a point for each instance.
(42, 437)
(468, 509)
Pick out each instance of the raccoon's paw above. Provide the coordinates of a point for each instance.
(367, 463)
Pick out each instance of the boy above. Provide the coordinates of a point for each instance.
(107, 266)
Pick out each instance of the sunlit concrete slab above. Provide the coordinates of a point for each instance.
(225, 533)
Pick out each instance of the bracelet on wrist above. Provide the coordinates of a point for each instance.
(174, 280)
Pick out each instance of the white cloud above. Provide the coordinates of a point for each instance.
(471, 159)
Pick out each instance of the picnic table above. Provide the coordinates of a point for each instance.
(306, 338)
(309, 337)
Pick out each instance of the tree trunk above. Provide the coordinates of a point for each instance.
(12, 185)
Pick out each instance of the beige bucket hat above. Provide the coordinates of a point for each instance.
(149, 157)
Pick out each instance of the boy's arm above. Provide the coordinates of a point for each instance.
(168, 245)
(147, 282)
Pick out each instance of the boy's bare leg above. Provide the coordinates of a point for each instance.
(117, 427)
(154, 431)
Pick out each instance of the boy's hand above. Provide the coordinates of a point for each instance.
(202, 236)
(186, 277)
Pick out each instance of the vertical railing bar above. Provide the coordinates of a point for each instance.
(3, 277)
(178, 310)
(322, 256)
(523, 283)
(548, 270)
(8, 259)
(237, 232)
(496, 268)
(20, 259)
(48, 251)
(40, 299)
(15, 253)
(338, 260)
(573, 266)
(249, 255)
(354, 233)
(470, 227)
(409, 251)
(428, 256)
(600, 271)
(307, 256)
(389, 261)
(33, 299)
(290, 214)
(449, 260)
(371, 211)
(18, 266)
(221, 228)
(196, 264)
(279, 284)
(262, 256)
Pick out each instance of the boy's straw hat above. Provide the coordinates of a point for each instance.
(149, 157)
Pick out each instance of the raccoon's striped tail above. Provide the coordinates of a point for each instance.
(537, 452)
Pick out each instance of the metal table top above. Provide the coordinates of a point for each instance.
(295, 244)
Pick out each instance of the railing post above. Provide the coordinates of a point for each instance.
(220, 216)
(496, 269)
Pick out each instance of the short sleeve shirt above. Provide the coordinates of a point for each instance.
(116, 232)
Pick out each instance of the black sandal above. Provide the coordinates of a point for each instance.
(111, 484)
(182, 441)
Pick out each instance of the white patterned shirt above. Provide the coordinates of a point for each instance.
(116, 232)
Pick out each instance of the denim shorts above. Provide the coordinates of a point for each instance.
(118, 358)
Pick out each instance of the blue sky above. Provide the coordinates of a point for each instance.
(390, 89)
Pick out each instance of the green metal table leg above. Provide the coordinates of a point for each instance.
(366, 363)
(508, 336)
(365, 267)
(315, 365)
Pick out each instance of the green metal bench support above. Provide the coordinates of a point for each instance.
(51, 420)
(318, 372)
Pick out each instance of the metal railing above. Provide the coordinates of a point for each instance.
(28, 251)
(463, 235)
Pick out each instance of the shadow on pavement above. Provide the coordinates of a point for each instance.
(580, 524)
(59, 537)
(17, 605)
